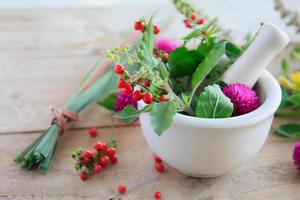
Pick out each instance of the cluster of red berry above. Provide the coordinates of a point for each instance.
(140, 26)
(193, 20)
(137, 94)
(88, 161)
(122, 190)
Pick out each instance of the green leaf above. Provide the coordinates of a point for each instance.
(109, 102)
(289, 130)
(232, 51)
(210, 61)
(212, 103)
(295, 99)
(129, 114)
(147, 45)
(183, 62)
(285, 66)
(285, 101)
(162, 116)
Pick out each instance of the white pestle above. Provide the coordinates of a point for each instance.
(269, 41)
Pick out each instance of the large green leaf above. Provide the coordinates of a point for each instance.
(162, 116)
(129, 114)
(110, 101)
(210, 61)
(183, 62)
(289, 130)
(212, 103)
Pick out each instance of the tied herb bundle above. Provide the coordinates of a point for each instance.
(98, 85)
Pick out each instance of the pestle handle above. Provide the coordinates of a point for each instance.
(248, 68)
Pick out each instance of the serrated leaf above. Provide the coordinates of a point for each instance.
(210, 61)
(162, 116)
(212, 103)
(129, 114)
(289, 130)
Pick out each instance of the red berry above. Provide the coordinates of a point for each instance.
(157, 195)
(193, 16)
(128, 89)
(113, 159)
(84, 176)
(97, 168)
(156, 29)
(162, 98)
(185, 21)
(87, 154)
(146, 83)
(103, 147)
(138, 95)
(155, 54)
(111, 151)
(165, 57)
(119, 69)
(157, 159)
(97, 146)
(122, 189)
(121, 83)
(188, 24)
(201, 21)
(104, 161)
(148, 98)
(138, 25)
(159, 167)
(93, 132)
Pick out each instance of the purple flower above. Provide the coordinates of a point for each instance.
(123, 100)
(244, 99)
(296, 155)
(166, 45)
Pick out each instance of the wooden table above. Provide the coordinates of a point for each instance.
(44, 54)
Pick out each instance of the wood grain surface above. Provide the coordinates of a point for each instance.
(44, 54)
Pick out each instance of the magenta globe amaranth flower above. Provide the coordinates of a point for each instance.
(296, 155)
(244, 99)
(166, 45)
(123, 100)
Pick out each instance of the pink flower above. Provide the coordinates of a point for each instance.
(123, 100)
(244, 99)
(166, 45)
(296, 155)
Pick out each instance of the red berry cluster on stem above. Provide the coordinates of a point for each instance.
(193, 20)
(140, 26)
(139, 87)
(89, 162)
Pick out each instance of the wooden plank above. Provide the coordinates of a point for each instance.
(271, 175)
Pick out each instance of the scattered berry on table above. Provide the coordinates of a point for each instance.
(122, 189)
(93, 132)
(84, 176)
(157, 195)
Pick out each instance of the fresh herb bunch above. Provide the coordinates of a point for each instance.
(185, 80)
(290, 104)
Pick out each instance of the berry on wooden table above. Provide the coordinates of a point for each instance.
(84, 176)
(104, 161)
(113, 159)
(122, 189)
(159, 167)
(111, 151)
(93, 132)
(157, 159)
(97, 168)
(157, 195)
(87, 154)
